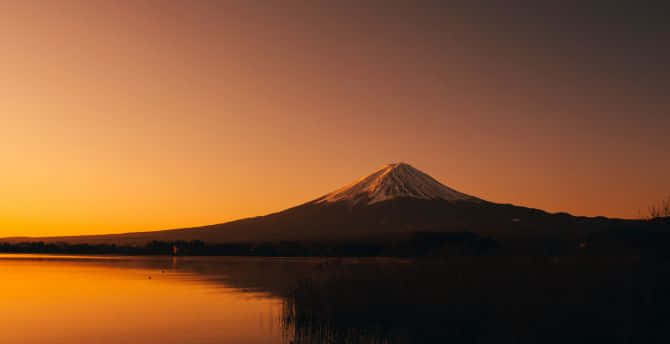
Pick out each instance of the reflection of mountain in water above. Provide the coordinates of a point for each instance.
(274, 276)
(463, 299)
(483, 300)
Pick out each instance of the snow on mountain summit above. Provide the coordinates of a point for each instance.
(398, 180)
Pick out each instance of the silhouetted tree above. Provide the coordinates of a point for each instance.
(661, 209)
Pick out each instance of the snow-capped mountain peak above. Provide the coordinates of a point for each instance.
(397, 180)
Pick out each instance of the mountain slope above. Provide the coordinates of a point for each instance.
(396, 199)
(395, 181)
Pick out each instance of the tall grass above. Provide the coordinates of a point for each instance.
(660, 210)
(478, 300)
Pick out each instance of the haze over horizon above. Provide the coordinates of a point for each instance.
(143, 115)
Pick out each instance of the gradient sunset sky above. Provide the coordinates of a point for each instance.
(120, 116)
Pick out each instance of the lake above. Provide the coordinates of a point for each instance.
(69, 299)
(88, 299)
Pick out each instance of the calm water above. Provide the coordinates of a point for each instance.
(83, 299)
(61, 299)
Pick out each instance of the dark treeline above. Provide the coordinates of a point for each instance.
(418, 244)
(654, 240)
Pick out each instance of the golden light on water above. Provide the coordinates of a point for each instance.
(61, 300)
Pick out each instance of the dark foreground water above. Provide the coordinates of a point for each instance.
(70, 299)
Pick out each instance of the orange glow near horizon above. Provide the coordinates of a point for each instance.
(131, 116)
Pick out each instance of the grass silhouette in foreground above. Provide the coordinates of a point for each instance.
(482, 300)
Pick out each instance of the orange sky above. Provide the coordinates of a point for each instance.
(141, 115)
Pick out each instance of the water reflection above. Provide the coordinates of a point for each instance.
(273, 300)
(134, 300)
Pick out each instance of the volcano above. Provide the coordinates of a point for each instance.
(395, 181)
(396, 199)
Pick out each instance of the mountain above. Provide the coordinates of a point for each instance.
(395, 181)
(395, 200)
